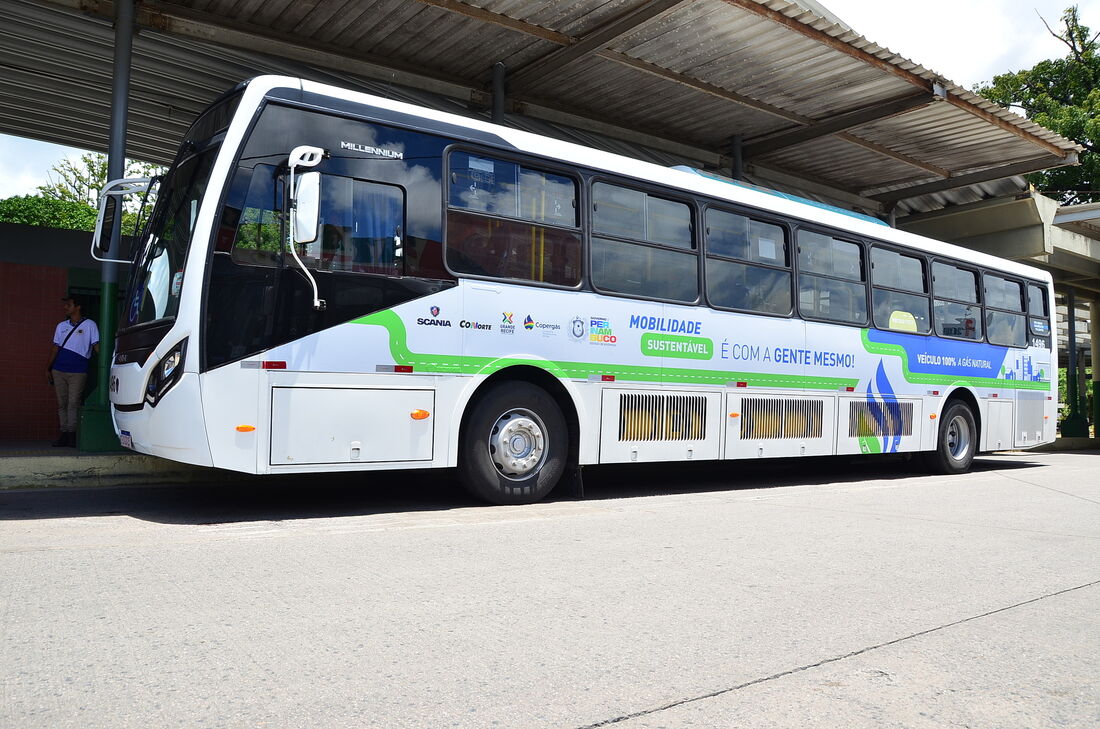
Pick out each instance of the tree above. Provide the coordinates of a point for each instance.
(81, 180)
(1063, 95)
(48, 212)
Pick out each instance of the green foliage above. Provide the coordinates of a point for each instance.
(1087, 394)
(71, 197)
(259, 230)
(48, 212)
(81, 180)
(1063, 95)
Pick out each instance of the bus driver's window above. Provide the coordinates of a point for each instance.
(362, 226)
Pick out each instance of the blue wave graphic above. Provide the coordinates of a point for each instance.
(887, 414)
(892, 407)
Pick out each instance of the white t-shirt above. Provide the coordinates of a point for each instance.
(74, 356)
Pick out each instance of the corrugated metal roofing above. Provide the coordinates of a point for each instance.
(671, 82)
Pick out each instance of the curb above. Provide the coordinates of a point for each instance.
(1069, 444)
(123, 469)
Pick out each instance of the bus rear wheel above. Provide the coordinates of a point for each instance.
(514, 446)
(957, 441)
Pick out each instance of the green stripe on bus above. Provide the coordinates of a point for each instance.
(897, 350)
(474, 365)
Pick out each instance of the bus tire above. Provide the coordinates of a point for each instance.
(957, 441)
(514, 446)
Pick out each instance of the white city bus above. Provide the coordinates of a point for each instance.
(332, 281)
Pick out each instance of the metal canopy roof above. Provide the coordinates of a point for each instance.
(817, 108)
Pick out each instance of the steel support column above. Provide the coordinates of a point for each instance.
(737, 155)
(1074, 425)
(499, 90)
(1094, 332)
(97, 430)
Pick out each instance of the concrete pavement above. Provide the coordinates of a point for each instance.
(820, 594)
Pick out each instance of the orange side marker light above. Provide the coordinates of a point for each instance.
(245, 428)
(419, 414)
(735, 415)
(932, 416)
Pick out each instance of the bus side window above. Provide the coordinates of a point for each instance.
(899, 292)
(508, 221)
(642, 245)
(830, 279)
(258, 239)
(957, 309)
(1005, 323)
(1038, 316)
(747, 264)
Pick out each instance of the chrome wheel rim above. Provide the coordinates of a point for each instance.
(517, 443)
(958, 438)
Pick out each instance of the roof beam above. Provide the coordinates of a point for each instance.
(703, 86)
(886, 152)
(596, 40)
(827, 40)
(554, 112)
(487, 16)
(562, 39)
(203, 26)
(987, 175)
(839, 123)
(1011, 128)
(1087, 212)
(182, 21)
(1069, 273)
(767, 175)
(756, 8)
(908, 76)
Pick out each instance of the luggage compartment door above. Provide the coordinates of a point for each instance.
(350, 425)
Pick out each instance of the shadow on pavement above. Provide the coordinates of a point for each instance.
(313, 496)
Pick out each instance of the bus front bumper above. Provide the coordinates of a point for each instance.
(174, 429)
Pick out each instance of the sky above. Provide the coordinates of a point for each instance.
(965, 41)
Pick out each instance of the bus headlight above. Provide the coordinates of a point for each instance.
(166, 374)
(168, 364)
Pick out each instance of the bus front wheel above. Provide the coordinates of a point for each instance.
(514, 446)
(957, 441)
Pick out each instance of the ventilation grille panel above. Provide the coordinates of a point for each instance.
(880, 419)
(768, 418)
(662, 417)
(1030, 408)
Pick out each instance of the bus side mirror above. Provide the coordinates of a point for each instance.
(109, 220)
(305, 206)
(307, 202)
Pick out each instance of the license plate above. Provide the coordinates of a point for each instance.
(125, 439)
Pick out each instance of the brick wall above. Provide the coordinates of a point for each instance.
(30, 308)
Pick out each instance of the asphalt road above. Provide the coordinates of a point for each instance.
(822, 593)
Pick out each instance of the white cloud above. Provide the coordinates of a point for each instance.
(967, 41)
(27, 164)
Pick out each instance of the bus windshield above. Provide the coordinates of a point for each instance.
(157, 279)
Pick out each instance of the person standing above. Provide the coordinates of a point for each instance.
(75, 340)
